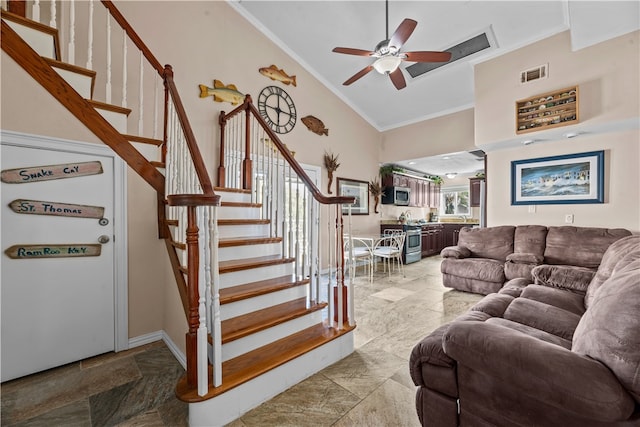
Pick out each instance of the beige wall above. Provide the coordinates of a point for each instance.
(607, 75)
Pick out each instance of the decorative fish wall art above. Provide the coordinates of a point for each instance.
(315, 125)
(222, 93)
(274, 73)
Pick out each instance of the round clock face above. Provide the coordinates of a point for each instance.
(277, 109)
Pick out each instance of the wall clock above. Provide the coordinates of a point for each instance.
(277, 108)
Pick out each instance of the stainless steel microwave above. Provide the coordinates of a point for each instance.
(398, 196)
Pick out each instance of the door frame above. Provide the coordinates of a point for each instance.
(120, 266)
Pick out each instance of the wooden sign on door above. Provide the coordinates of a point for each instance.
(53, 251)
(39, 207)
(46, 173)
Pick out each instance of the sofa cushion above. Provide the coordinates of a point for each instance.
(563, 276)
(530, 239)
(514, 287)
(580, 246)
(455, 252)
(617, 252)
(543, 316)
(488, 270)
(610, 329)
(566, 300)
(492, 242)
(493, 304)
(532, 332)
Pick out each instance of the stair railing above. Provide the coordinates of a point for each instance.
(187, 217)
(252, 156)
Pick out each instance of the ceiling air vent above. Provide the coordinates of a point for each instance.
(459, 51)
(537, 73)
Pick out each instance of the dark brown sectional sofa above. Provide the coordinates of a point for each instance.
(558, 348)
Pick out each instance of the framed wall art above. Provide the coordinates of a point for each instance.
(571, 178)
(357, 189)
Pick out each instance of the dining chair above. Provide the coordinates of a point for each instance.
(389, 248)
(356, 250)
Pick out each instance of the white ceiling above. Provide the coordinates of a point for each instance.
(309, 30)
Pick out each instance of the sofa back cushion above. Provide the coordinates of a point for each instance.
(580, 246)
(609, 331)
(530, 239)
(616, 257)
(491, 242)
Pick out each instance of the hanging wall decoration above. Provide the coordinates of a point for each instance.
(47, 173)
(331, 163)
(315, 125)
(376, 191)
(66, 250)
(275, 73)
(222, 93)
(38, 207)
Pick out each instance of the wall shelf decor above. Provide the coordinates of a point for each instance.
(547, 110)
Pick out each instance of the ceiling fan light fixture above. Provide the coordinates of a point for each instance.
(387, 64)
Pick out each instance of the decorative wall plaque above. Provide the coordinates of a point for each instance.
(46, 173)
(53, 251)
(39, 207)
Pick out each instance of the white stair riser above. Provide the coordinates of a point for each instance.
(254, 274)
(228, 196)
(249, 251)
(117, 120)
(256, 230)
(229, 406)
(80, 82)
(238, 308)
(149, 151)
(249, 343)
(233, 212)
(41, 42)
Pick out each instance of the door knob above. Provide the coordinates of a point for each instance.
(103, 239)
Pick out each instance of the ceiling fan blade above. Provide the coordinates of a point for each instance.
(398, 79)
(426, 56)
(350, 51)
(359, 75)
(402, 33)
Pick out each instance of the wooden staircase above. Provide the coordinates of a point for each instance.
(273, 331)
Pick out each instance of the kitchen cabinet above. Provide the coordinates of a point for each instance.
(424, 193)
(451, 232)
(474, 191)
(432, 239)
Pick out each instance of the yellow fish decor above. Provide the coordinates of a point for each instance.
(278, 74)
(222, 93)
(315, 125)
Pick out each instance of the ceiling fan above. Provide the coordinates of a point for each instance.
(389, 56)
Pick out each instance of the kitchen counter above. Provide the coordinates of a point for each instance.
(396, 222)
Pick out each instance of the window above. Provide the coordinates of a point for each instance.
(455, 201)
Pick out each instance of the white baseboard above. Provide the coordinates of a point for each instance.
(157, 336)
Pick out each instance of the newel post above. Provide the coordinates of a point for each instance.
(247, 170)
(191, 202)
(222, 120)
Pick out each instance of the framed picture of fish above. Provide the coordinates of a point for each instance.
(567, 179)
(357, 189)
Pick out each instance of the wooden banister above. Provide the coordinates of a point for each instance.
(38, 68)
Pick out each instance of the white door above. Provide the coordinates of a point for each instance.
(56, 308)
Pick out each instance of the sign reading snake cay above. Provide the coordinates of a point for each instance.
(46, 173)
(38, 207)
(53, 251)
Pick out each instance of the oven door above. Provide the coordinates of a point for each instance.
(413, 246)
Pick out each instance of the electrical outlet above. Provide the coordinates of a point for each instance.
(568, 218)
(532, 208)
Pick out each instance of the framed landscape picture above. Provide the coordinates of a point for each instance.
(357, 189)
(571, 178)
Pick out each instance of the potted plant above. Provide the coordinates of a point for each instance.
(331, 163)
(376, 191)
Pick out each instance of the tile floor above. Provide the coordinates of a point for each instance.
(371, 387)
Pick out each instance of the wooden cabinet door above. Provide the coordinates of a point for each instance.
(474, 191)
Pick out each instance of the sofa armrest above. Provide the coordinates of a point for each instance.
(525, 258)
(548, 373)
(455, 252)
(563, 276)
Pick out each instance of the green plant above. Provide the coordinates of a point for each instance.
(434, 178)
(386, 170)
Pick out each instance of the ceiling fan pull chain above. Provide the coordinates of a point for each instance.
(386, 3)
